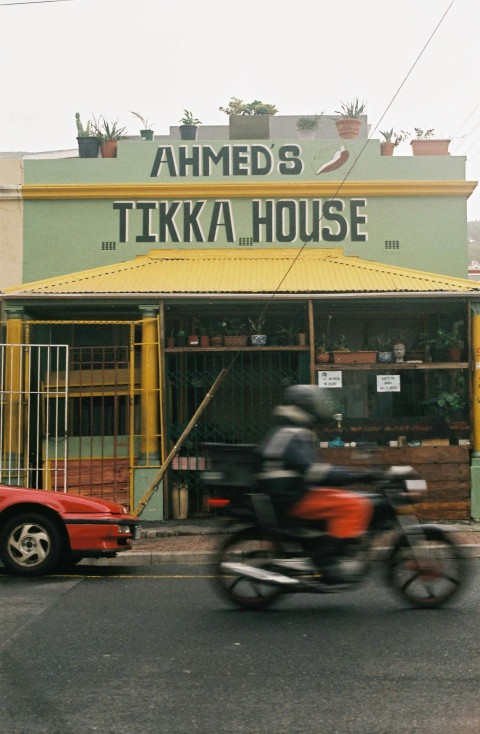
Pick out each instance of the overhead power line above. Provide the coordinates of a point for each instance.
(38, 2)
(425, 46)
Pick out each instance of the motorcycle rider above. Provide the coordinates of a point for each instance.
(302, 487)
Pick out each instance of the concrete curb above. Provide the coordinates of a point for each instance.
(168, 558)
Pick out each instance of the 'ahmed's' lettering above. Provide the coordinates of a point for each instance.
(231, 160)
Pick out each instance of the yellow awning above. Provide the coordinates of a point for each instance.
(245, 271)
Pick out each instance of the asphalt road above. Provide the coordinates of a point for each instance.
(155, 650)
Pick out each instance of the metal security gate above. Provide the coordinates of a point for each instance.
(33, 415)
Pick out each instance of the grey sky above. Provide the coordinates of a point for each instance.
(158, 57)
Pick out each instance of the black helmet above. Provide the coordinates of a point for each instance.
(312, 399)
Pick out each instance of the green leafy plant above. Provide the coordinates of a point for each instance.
(106, 130)
(447, 339)
(239, 107)
(355, 108)
(449, 402)
(83, 132)
(308, 122)
(391, 136)
(189, 119)
(324, 343)
(144, 120)
(382, 343)
(341, 345)
(235, 327)
(421, 134)
(257, 324)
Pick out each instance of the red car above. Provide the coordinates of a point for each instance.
(43, 531)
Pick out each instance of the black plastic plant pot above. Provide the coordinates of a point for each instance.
(88, 147)
(188, 132)
(146, 134)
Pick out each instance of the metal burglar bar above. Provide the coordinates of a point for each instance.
(33, 415)
(113, 405)
(241, 411)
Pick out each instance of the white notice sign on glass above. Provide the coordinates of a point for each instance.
(330, 379)
(388, 383)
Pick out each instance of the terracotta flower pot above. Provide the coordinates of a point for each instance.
(108, 148)
(430, 146)
(348, 128)
(387, 148)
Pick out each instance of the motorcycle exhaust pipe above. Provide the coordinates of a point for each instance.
(259, 574)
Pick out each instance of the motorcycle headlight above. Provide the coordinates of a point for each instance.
(415, 485)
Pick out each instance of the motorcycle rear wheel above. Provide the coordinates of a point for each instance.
(431, 576)
(253, 547)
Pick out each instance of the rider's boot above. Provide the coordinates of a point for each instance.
(331, 556)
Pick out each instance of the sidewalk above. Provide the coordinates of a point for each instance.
(195, 541)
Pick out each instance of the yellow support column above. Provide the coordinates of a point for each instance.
(12, 437)
(475, 466)
(149, 390)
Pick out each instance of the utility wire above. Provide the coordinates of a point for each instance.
(37, 2)
(465, 122)
(347, 174)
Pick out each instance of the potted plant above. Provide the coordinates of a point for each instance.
(249, 120)
(257, 336)
(343, 354)
(88, 144)
(181, 337)
(109, 133)
(384, 349)
(193, 338)
(449, 404)
(146, 132)
(322, 351)
(217, 332)
(349, 123)
(236, 333)
(448, 344)
(204, 336)
(189, 126)
(307, 125)
(426, 144)
(391, 140)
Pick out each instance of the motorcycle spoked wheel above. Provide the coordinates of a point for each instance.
(253, 547)
(433, 575)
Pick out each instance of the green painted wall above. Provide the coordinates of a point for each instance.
(63, 236)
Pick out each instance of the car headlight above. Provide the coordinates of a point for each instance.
(124, 529)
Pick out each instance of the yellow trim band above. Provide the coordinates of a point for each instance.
(271, 189)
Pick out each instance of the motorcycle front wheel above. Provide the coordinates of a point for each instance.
(252, 547)
(430, 573)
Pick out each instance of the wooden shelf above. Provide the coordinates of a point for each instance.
(393, 366)
(249, 348)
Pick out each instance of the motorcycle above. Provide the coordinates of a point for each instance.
(267, 555)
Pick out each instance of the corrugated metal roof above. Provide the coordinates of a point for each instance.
(233, 271)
